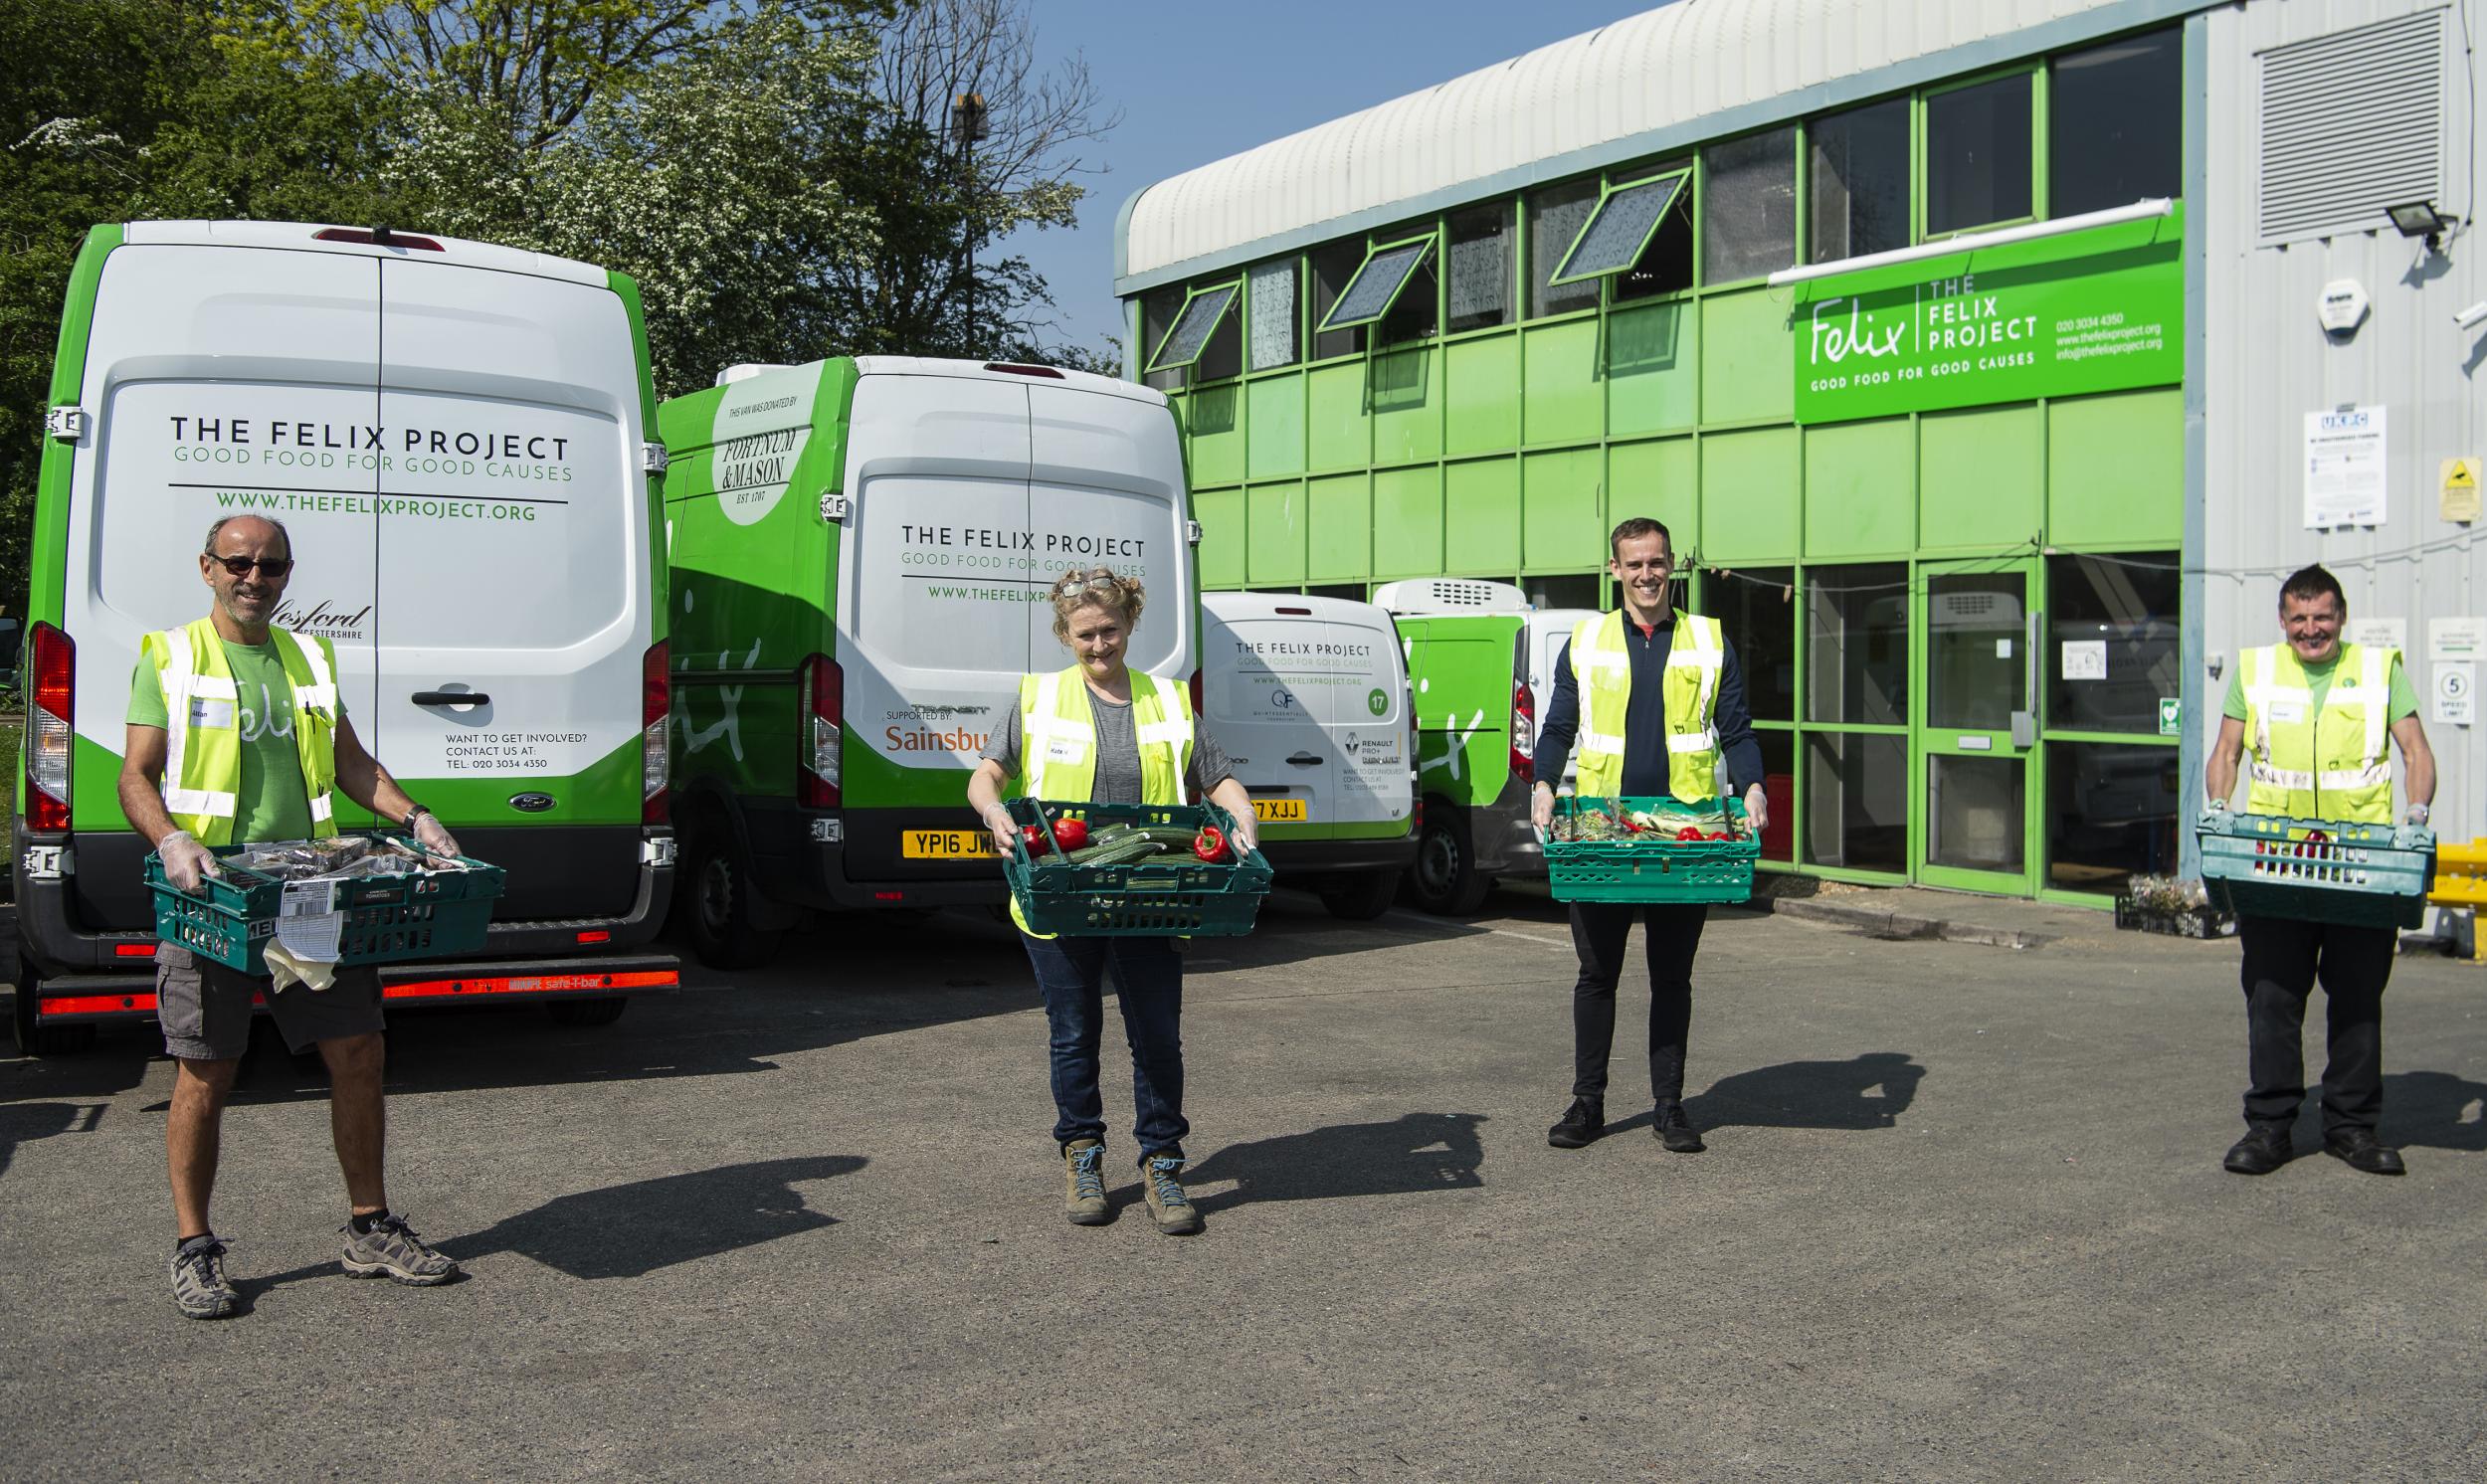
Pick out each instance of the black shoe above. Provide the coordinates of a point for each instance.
(1582, 1123)
(2358, 1149)
(1675, 1130)
(2261, 1152)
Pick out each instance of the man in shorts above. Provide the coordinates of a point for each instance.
(236, 735)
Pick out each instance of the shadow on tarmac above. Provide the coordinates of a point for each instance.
(1413, 1153)
(2433, 1110)
(631, 1231)
(1868, 1093)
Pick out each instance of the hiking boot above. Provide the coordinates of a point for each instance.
(1580, 1125)
(1168, 1206)
(2359, 1149)
(199, 1287)
(391, 1249)
(1675, 1130)
(2263, 1150)
(1084, 1183)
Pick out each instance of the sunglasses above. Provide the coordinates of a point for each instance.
(241, 566)
(1099, 581)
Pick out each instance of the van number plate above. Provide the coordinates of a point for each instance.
(945, 844)
(1279, 811)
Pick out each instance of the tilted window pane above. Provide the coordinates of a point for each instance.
(1977, 154)
(1619, 227)
(1183, 343)
(1157, 315)
(2117, 117)
(1332, 266)
(1749, 207)
(1369, 296)
(1555, 218)
(1481, 269)
(1860, 182)
(1273, 314)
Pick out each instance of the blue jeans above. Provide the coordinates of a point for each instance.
(1148, 980)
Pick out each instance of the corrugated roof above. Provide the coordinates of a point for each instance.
(1674, 76)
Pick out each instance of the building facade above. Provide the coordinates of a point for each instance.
(1975, 355)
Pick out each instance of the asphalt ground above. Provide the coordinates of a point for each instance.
(1962, 1218)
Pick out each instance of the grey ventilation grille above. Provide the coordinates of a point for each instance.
(2349, 124)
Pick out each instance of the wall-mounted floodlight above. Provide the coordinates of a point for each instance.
(2471, 316)
(2421, 218)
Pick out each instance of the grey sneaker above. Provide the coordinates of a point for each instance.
(1174, 1212)
(391, 1249)
(199, 1287)
(1084, 1183)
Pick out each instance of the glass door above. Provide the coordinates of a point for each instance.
(1978, 633)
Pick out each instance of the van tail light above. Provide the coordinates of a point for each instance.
(376, 237)
(1523, 725)
(48, 713)
(820, 711)
(655, 710)
(1196, 690)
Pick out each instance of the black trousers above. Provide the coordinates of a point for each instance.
(2283, 960)
(1600, 931)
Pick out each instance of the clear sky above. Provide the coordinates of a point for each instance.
(1198, 82)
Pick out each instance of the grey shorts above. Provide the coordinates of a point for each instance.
(205, 1008)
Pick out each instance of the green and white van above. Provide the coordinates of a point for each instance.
(455, 437)
(863, 556)
(1309, 698)
(1480, 663)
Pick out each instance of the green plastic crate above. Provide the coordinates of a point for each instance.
(1651, 869)
(2358, 875)
(1165, 896)
(388, 919)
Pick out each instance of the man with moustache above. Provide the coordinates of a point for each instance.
(1664, 706)
(236, 735)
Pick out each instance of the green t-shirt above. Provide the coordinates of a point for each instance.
(273, 802)
(2404, 700)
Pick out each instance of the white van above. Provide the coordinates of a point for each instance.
(863, 553)
(455, 437)
(1309, 698)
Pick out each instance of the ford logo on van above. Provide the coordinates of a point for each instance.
(533, 804)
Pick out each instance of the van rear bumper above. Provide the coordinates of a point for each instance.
(96, 998)
(1327, 857)
(796, 864)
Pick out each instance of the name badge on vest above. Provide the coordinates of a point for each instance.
(1065, 749)
(205, 711)
(2288, 713)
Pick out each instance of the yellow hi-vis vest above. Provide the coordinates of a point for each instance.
(203, 734)
(1058, 742)
(2331, 764)
(1601, 668)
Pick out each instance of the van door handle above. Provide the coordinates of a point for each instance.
(1304, 760)
(452, 699)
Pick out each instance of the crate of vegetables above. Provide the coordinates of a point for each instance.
(1645, 849)
(348, 899)
(2317, 871)
(1132, 871)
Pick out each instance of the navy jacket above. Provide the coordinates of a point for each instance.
(1645, 719)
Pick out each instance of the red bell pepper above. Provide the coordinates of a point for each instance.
(1211, 845)
(1689, 832)
(1071, 835)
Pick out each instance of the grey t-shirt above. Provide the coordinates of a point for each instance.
(1118, 753)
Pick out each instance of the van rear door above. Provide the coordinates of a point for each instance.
(1369, 716)
(514, 564)
(1269, 713)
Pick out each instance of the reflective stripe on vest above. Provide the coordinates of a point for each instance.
(1601, 668)
(2331, 764)
(203, 730)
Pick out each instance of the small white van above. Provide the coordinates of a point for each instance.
(1309, 698)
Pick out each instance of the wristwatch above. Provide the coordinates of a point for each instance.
(2418, 814)
(412, 814)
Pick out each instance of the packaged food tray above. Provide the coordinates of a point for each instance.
(389, 919)
(1172, 895)
(2317, 871)
(1599, 851)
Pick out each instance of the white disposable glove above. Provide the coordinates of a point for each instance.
(1757, 808)
(433, 836)
(187, 863)
(1541, 809)
(2417, 814)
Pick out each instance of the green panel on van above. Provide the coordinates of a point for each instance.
(1661, 480)
(1337, 433)
(1459, 670)
(1274, 426)
(1561, 398)
(1562, 523)
(1405, 390)
(1481, 516)
(1749, 496)
(1408, 522)
(1860, 488)
(1982, 470)
(1277, 542)
(1653, 359)
(1223, 536)
(69, 381)
(1341, 529)
(1748, 360)
(2115, 470)
(1480, 397)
